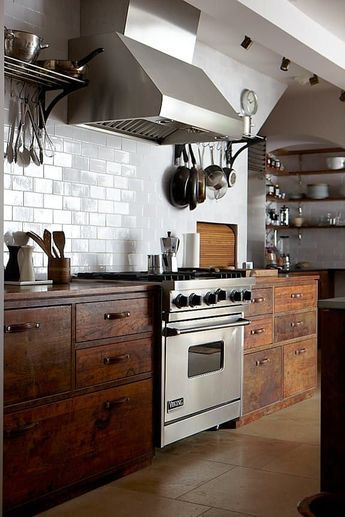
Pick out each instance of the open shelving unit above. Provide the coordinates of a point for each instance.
(273, 199)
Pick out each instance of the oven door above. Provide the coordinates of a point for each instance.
(203, 365)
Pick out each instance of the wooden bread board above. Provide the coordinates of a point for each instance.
(217, 245)
(262, 272)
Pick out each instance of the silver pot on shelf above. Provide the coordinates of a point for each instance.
(22, 45)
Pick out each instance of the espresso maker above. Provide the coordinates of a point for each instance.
(169, 247)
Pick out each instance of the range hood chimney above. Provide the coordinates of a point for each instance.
(144, 84)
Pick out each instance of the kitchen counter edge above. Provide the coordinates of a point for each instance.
(332, 303)
(75, 289)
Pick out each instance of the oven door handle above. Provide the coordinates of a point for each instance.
(171, 331)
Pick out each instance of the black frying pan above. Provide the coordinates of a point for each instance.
(179, 182)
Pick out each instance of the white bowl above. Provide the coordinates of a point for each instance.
(317, 191)
(336, 162)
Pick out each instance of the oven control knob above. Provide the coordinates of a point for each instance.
(236, 296)
(221, 295)
(195, 300)
(247, 296)
(210, 298)
(181, 301)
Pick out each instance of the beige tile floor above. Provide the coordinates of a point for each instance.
(262, 469)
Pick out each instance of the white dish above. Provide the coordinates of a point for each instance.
(336, 162)
(317, 191)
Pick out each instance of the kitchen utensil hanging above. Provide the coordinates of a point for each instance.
(179, 181)
(192, 182)
(215, 177)
(229, 171)
(76, 69)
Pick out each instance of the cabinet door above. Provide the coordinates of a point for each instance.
(37, 353)
(56, 445)
(258, 333)
(300, 367)
(262, 302)
(104, 363)
(262, 379)
(294, 325)
(114, 318)
(292, 298)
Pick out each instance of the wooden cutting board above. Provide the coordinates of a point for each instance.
(218, 244)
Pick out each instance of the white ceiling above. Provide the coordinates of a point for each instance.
(223, 27)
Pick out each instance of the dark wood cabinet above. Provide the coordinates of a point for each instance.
(78, 392)
(280, 359)
(263, 377)
(37, 353)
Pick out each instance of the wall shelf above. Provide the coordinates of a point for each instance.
(46, 80)
(275, 172)
(272, 199)
(305, 227)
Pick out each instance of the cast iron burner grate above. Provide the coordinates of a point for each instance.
(182, 274)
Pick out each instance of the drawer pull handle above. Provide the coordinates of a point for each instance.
(116, 359)
(116, 315)
(258, 300)
(18, 431)
(297, 295)
(262, 362)
(21, 327)
(297, 323)
(300, 351)
(257, 331)
(112, 404)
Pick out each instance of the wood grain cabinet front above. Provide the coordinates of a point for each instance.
(294, 325)
(300, 370)
(259, 332)
(37, 353)
(263, 378)
(56, 445)
(104, 363)
(297, 297)
(99, 320)
(262, 302)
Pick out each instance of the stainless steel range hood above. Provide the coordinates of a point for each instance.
(138, 90)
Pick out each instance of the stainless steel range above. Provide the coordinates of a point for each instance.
(201, 348)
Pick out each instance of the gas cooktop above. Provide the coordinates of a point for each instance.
(182, 274)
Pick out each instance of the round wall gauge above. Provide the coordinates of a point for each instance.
(249, 102)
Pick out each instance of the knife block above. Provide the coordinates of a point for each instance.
(59, 270)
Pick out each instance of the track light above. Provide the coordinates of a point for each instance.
(313, 80)
(285, 64)
(342, 96)
(247, 42)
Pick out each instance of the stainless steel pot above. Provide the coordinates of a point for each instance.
(22, 45)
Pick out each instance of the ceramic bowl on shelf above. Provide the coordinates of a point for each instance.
(336, 162)
(317, 191)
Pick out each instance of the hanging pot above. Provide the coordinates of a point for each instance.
(229, 171)
(22, 45)
(179, 181)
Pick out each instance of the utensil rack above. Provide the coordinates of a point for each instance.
(47, 80)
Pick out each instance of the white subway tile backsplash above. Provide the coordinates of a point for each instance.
(78, 190)
(71, 232)
(120, 182)
(113, 194)
(105, 180)
(7, 181)
(105, 206)
(69, 174)
(43, 214)
(113, 168)
(58, 187)
(129, 145)
(71, 203)
(52, 201)
(71, 147)
(128, 170)
(80, 245)
(121, 156)
(112, 220)
(21, 213)
(97, 219)
(7, 213)
(121, 208)
(97, 192)
(96, 246)
(97, 165)
(62, 216)
(53, 172)
(33, 199)
(80, 218)
(34, 171)
(128, 195)
(89, 205)
(43, 185)
(90, 178)
(114, 141)
(13, 198)
(88, 232)
(80, 162)
(106, 153)
(22, 183)
(89, 150)
(62, 159)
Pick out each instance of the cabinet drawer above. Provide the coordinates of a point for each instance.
(294, 325)
(262, 302)
(294, 297)
(258, 333)
(110, 362)
(37, 353)
(56, 445)
(113, 318)
(262, 379)
(300, 366)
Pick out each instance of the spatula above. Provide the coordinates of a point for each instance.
(59, 240)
